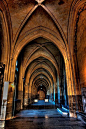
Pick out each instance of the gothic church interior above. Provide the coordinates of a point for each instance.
(42, 55)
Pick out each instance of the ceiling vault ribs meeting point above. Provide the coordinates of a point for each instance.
(40, 1)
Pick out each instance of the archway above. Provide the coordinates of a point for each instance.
(57, 85)
(51, 36)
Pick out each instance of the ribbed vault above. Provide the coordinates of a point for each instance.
(42, 45)
(41, 66)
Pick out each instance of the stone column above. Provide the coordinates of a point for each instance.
(10, 100)
(54, 92)
(58, 88)
(65, 90)
(26, 95)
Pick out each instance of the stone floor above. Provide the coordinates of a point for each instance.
(43, 119)
(40, 113)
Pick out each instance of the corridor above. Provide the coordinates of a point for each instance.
(43, 64)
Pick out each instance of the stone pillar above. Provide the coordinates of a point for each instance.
(20, 97)
(62, 91)
(71, 89)
(54, 92)
(58, 88)
(30, 93)
(50, 92)
(10, 100)
(26, 95)
(65, 90)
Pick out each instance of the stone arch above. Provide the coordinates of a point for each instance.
(44, 82)
(42, 69)
(46, 57)
(30, 13)
(49, 35)
(47, 53)
(38, 64)
(44, 76)
(45, 67)
(44, 73)
(52, 38)
(40, 32)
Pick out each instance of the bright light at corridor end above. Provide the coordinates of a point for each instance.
(36, 100)
(46, 100)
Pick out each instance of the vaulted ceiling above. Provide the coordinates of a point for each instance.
(41, 60)
(21, 9)
(40, 57)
